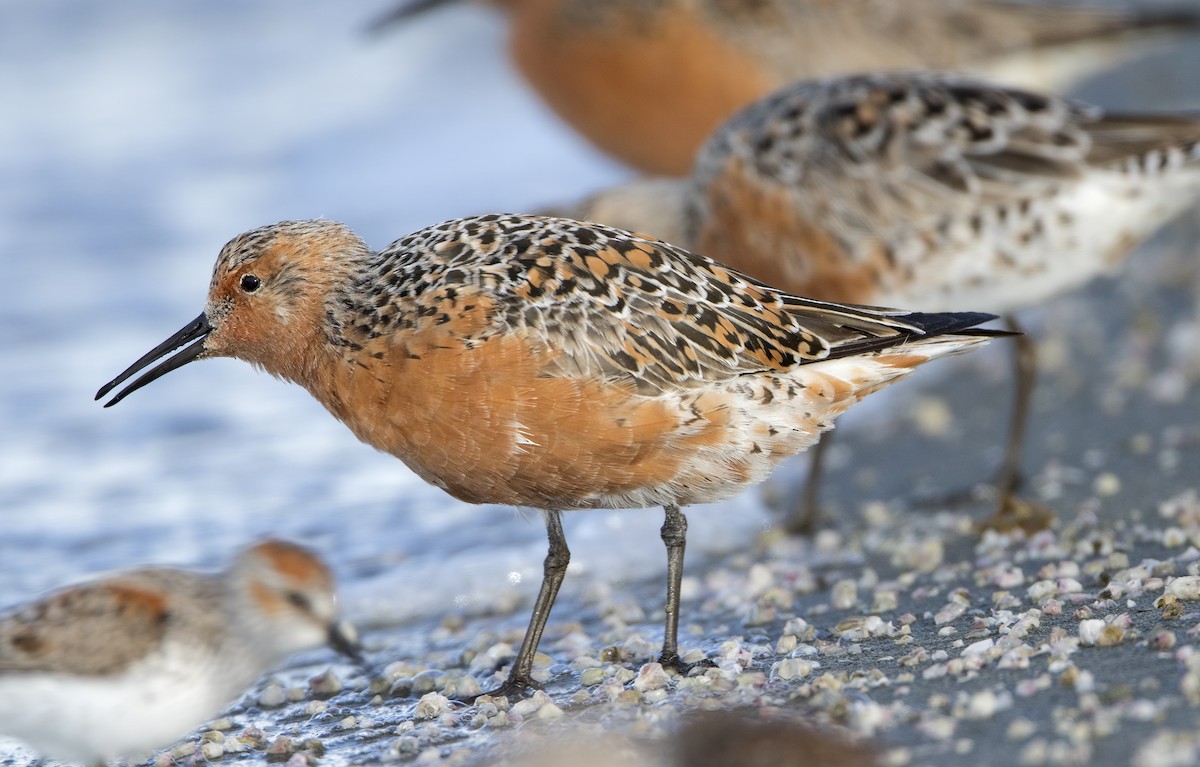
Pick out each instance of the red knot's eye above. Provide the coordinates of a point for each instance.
(250, 283)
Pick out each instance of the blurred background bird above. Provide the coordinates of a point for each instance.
(647, 82)
(922, 189)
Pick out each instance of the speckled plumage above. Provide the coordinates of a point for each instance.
(536, 324)
(939, 192)
(548, 363)
(925, 190)
(124, 664)
(649, 80)
(629, 306)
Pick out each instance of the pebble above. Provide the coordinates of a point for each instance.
(1020, 729)
(792, 668)
(1174, 537)
(550, 712)
(325, 685)
(279, 747)
(845, 594)
(272, 696)
(235, 746)
(1106, 485)
(786, 644)
(404, 747)
(1186, 587)
(591, 677)
(211, 750)
(932, 416)
(254, 737)
(651, 676)
(432, 705)
(1162, 639)
(886, 600)
(464, 687)
(1112, 634)
(529, 706)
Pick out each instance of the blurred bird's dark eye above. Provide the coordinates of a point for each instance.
(250, 283)
(295, 598)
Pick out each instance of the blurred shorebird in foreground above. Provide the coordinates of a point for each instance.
(552, 364)
(923, 190)
(647, 82)
(133, 661)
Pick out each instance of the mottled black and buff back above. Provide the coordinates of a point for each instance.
(93, 629)
(904, 150)
(614, 303)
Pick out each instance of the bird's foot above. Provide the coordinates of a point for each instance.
(672, 661)
(802, 518)
(1004, 488)
(1014, 513)
(516, 687)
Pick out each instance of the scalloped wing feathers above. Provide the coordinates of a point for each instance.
(616, 304)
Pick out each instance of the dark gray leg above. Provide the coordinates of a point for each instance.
(1011, 510)
(520, 679)
(674, 536)
(802, 519)
(1025, 373)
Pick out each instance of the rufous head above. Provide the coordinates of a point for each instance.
(287, 601)
(266, 302)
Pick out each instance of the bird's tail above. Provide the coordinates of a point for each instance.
(859, 369)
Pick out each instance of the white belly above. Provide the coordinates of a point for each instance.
(1065, 242)
(90, 719)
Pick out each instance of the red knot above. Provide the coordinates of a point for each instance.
(552, 364)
